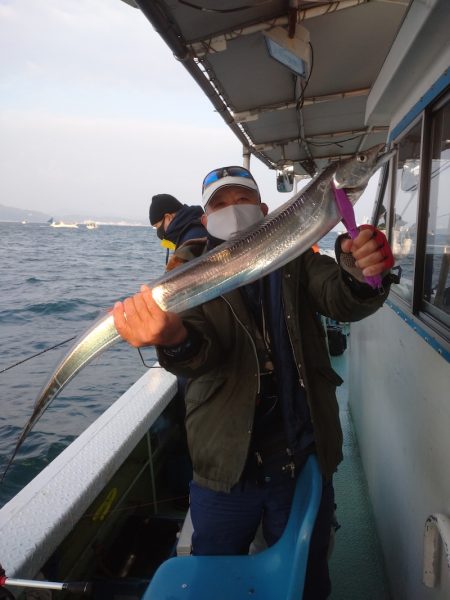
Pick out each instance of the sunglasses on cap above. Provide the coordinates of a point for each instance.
(217, 174)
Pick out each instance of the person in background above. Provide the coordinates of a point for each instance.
(261, 390)
(175, 223)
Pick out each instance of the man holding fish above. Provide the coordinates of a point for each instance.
(261, 391)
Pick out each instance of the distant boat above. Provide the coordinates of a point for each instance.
(91, 225)
(62, 224)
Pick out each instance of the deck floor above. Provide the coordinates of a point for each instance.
(356, 565)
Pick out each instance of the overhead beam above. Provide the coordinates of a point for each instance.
(218, 43)
(310, 138)
(310, 167)
(253, 113)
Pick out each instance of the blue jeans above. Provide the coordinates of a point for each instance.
(226, 523)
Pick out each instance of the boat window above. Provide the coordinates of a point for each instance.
(404, 228)
(436, 289)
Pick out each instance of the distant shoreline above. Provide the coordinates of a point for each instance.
(100, 223)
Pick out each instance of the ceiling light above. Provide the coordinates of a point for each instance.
(293, 52)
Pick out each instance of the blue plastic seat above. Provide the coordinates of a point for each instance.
(277, 573)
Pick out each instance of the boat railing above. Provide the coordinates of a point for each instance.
(40, 516)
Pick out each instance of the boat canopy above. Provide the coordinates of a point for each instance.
(300, 115)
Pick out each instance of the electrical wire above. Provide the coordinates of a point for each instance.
(338, 142)
(298, 108)
(221, 10)
(301, 98)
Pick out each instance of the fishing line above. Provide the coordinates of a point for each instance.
(37, 354)
(11, 460)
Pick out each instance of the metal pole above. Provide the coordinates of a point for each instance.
(73, 586)
(246, 157)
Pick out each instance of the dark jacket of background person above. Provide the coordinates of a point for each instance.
(224, 373)
(185, 225)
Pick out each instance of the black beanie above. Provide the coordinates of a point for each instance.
(162, 204)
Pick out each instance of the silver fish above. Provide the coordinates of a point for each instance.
(283, 235)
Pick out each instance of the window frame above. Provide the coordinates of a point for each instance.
(429, 311)
(406, 305)
(422, 312)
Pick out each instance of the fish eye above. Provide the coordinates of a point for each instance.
(362, 158)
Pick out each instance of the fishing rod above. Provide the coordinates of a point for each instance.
(78, 587)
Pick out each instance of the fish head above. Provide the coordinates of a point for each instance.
(353, 173)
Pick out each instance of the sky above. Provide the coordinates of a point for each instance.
(96, 115)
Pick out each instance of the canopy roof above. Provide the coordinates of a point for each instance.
(278, 115)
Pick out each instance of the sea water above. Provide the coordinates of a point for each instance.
(54, 283)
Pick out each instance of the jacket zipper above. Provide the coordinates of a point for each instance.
(250, 338)
(297, 366)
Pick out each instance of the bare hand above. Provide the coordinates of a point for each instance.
(140, 322)
(366, 250)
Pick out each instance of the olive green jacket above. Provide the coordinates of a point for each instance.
(223, 376)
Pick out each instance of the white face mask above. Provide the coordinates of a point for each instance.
(227, 222)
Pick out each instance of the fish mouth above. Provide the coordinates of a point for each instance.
(365, 164)
(384, 156)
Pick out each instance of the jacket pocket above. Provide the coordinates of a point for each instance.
(201, 390)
